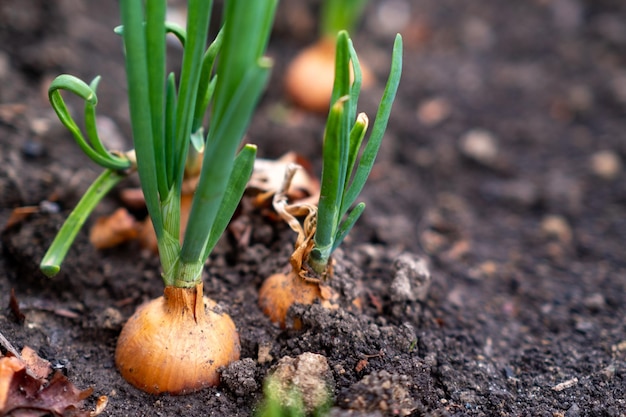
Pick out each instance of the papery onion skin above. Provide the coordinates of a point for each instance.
(281, 291)
(176, 343)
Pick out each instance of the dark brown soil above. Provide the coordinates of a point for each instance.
(498, 170)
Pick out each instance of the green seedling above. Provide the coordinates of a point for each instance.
(343, 177)
(347, 163)
(177, 343)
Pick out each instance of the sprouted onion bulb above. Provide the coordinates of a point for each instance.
(281, 291)
(176, 343)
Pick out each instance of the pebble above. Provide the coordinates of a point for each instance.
(433, 111)
(33, 149)
(608, 372)
(308, 373)
(565, 385)
(595, 302)
(517, 192)
(264, 355)
(606, 164)
(49, 207)
(554, 226)
(40, 126)
(573, 411)
(392, 16)
(479, 145)
(411, 280)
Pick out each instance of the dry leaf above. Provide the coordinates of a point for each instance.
(24, 390)
(38, 367)
(112, 230)
(268, 178)
(19, 214)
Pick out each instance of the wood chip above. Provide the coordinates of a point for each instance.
(565, 385)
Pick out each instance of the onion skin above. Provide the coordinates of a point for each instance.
(281, 291)
(176, 343)
(310, 76)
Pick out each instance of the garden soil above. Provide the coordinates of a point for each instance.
(490, 263)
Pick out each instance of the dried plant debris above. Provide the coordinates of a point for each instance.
(26, 391)
(113, 230)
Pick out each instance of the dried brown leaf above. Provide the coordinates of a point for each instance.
(24, 392)
(19, 214)
(268, 177)
(113, 230)
(39, 367)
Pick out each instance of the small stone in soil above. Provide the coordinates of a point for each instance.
(479, 145)
(606, 165)
(309, 374)
(32, 149)
(411, 280)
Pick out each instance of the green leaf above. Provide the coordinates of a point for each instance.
(239, 177)
(97, 153)
(176, 30)
(341, 85)
(242, 75)
(355, 88)
(216, 166)
(90, 120)
(347, 225)
(197, 140)
(380, 125)
(206, 86)
(356, 139)
(51, 262)
(198, 17)
(332, 186)
(155, 44)
(170, 124)
(139, 104)
(170, 27)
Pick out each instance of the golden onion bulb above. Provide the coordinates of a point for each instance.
(281, 291)
(176, 343)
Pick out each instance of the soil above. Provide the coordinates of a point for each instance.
(501, 171)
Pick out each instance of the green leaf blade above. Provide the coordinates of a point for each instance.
(139, 104)
(331, 187)
(198, 17)
(380, 125)
(51, 263)
(242, 170)
(155, 44)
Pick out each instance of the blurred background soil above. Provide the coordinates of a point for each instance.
(502, 168)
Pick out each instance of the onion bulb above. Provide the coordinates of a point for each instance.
(281, 291)
(310, 76)
(176, 343)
